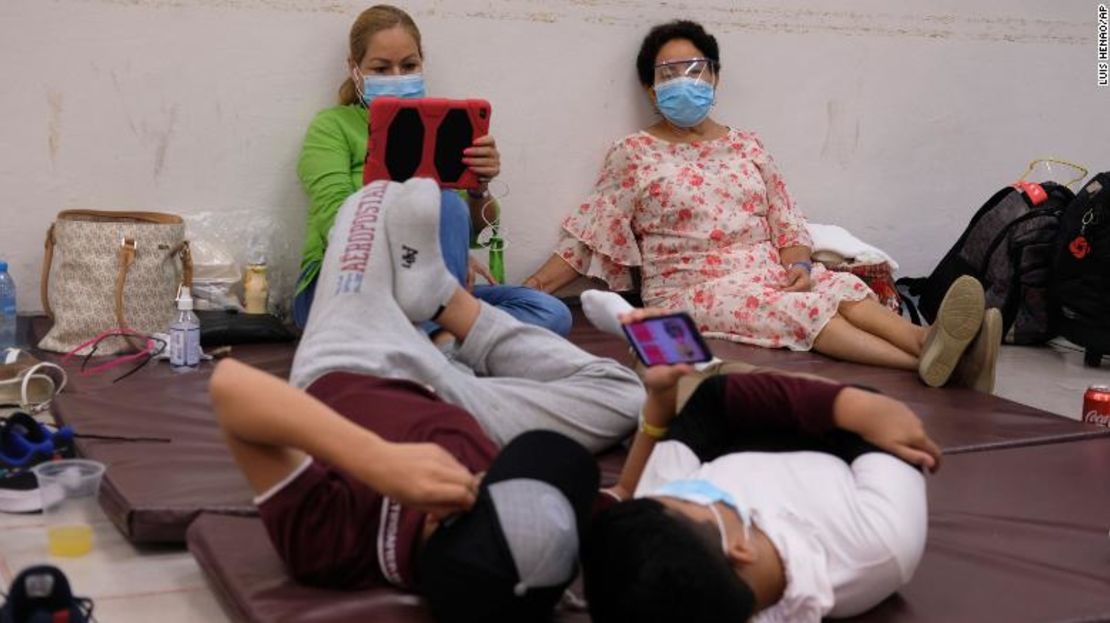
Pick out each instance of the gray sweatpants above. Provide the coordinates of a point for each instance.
(525, 377)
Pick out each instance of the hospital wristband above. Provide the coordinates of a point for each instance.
(652, 431)
(804, 264)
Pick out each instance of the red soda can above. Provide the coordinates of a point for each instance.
(1096, 405)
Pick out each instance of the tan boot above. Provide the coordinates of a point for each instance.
(958, 320)
(978, 366)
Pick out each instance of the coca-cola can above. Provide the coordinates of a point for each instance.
(1096, 405)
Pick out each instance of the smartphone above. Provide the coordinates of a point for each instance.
(424, 137)
(667, 340)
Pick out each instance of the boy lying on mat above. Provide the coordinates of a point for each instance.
(367, 465)
(364, 463)
(771, 495)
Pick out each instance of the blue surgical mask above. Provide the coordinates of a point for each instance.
(705, 493)
(685, 102)
(405, 86)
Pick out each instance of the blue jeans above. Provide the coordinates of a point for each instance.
(525, 304)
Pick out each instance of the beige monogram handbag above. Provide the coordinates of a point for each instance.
(111, 270)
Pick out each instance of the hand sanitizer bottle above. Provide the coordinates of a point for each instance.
(185, 335)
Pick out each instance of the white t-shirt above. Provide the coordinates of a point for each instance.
(848, 536)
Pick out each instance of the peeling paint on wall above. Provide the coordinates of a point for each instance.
(118, 88)
(55, 104)
(841, 134)
(718, 15)
(162, 142)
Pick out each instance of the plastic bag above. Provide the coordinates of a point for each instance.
(249, 236)
(215, 277)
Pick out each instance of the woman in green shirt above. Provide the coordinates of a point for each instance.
(386, 59)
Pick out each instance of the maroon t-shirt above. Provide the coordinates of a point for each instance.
(760, 402)
(333, 530)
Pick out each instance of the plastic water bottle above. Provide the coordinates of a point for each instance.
(7, 307)
(185, 335)
(496, 257)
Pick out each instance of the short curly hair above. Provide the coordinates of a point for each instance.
(660, 35)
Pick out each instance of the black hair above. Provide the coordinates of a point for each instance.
(658, 37)
(646, 563)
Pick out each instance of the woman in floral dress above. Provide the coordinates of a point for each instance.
(703, 210)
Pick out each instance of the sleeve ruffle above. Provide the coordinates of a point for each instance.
(598, 237)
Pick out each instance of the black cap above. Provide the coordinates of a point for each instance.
(515, 552)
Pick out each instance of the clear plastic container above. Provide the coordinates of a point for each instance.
(69, 489)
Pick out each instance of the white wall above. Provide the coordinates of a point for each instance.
(895, 120)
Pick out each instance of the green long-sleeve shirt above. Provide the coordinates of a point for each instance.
(330, 168)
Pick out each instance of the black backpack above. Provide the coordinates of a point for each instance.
(41, 594)
(1083, 269)
(1010, 247)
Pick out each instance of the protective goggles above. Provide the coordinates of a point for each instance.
(703, 69)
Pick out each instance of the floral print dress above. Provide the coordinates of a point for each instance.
(705, 221)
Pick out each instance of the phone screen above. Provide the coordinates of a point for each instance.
(666, 340)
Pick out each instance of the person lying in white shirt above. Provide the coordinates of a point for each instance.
(771, 496)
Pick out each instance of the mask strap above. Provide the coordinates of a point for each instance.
(721, 527)
(360, 86)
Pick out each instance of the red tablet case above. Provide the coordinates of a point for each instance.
(424, 137)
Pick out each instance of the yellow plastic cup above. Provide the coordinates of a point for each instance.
(69, 489)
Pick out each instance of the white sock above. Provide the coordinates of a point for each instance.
(602, 309)
(700, 367)
(421, 283)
